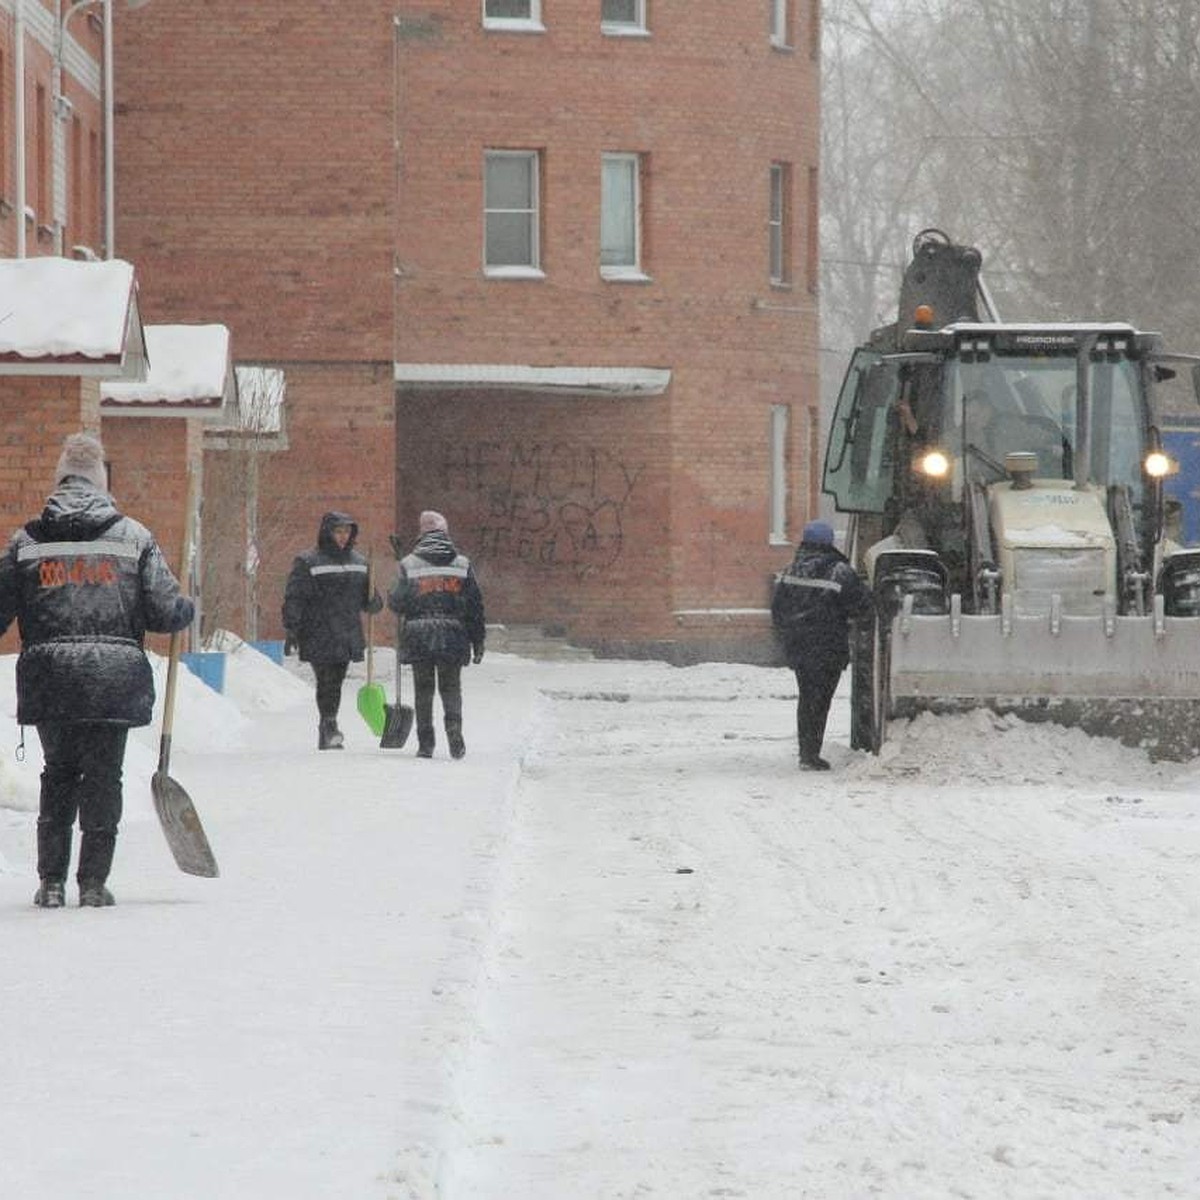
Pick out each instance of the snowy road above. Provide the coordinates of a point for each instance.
(623, 950)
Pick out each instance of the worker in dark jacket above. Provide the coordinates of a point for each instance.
(85, 584)
(814, 601)
(438, 600)
(327, 592)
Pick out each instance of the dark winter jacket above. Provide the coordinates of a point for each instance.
(85, 584)
(438, 597)
(326, 593)
(813, 603)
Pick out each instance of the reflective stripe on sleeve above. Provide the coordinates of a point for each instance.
(340, 569)
(35, 550)
(825, 585)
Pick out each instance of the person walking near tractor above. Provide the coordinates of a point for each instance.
(812, 606)
(440, 606)
(327, 591)
(85, 585)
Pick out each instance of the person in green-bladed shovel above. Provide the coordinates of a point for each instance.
(327, 591)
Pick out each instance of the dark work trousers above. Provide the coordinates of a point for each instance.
(815, 685)
(448, 681)
(81, 777)
(330, 677)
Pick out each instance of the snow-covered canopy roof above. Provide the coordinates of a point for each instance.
(59, 316)
(578, 381)
(191, 374)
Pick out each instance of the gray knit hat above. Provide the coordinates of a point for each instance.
(82, 455)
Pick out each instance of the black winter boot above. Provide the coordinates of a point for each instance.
(454, 739)
(426, 737)
(93, 894)
(329, 736)
(51, 894)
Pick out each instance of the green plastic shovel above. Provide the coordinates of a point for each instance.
(372, 699)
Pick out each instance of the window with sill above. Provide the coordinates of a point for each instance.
(777, 457)
(781, 20)
(512, 14)
(779, 224)
(510, 203)
(621, 216)
(623, 16)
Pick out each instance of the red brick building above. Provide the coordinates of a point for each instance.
(51, 199)
(546, 265)
(69, 319)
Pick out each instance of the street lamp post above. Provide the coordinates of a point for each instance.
(62, 112)
(19, 121)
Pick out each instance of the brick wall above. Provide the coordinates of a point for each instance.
(148, 461)
(311, 175)
(710, 105)
(35, 415)
(562, 505)
(256, 189)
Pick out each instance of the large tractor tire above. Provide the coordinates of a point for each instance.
(868, 685)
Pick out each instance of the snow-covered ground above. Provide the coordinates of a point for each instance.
(622, 950)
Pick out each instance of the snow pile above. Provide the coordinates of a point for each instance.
(205, 721)
(253, 682)
(982, 746)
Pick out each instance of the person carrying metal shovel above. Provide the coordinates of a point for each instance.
(327, 591)
(85, 584)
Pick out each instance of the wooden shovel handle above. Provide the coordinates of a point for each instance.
(370, 618)
(185, 558)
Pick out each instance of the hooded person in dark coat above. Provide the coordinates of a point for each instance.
(438, 600)
(85, 584)
(814, 601)
(327, 591)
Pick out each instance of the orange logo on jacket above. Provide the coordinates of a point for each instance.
(438, 583)
(54, 572)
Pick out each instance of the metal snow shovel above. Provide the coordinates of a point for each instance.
(176, 812)
(399, 715)
(372, 699)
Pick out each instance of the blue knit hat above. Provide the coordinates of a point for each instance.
(818, 533)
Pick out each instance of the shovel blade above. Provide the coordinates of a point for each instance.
(181, 825)
(396, 730)
(372, 706)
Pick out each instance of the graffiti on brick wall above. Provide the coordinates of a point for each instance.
(556, 505)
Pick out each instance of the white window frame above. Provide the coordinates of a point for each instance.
(530, 24)
(779, 225)
(633, 270)
(634, 28)
(780, 15)
(777, 458)
(531, 270)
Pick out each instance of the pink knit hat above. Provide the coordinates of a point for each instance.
(431, 521)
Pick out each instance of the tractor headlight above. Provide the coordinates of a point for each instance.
(934, 463)
(1158, 465)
